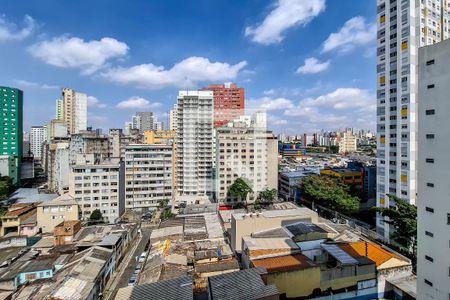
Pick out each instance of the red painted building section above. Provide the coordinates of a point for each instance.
(229, 102)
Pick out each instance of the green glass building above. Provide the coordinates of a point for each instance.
(11, 135)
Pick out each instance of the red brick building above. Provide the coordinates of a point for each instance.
(229, 102)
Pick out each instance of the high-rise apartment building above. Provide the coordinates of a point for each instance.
(56, 129)
(59, 109)
(245, 150)
(173, 118)
(11, 134)
(98, 186)
(148, 176)
(75, 110)
(433, 185)
(38, 135)
(229, 102)
(194, 141)
(143, 121)
(402, 27)
(347, 143)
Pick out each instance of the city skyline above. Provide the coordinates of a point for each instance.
(315, 87)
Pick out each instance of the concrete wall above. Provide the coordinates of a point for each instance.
(298, 283)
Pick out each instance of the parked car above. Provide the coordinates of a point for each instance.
(132, 281)
(138, 268)
(142, 257)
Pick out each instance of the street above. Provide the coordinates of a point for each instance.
(130, 260)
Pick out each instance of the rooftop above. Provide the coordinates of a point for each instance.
(269, 243)
(30, 195)
(172, 289)
(407, 284)
(284, 263)
(376, 253)
(64, 199)
(245, 284)
(298, 211)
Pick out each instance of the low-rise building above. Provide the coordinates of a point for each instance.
(350, 177)
(16, 214)
(244, 224)
(52, 213)
(65, 231)
(289, 181)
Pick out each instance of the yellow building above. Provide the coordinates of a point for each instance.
(164, 137)
(349, 177)
(15, 215)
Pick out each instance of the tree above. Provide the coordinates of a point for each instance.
(403, 217)
(163, 203)
(329, 193)
(239, 189)
(334, 149)
(268, 196)
(96, 215)
(167, 214)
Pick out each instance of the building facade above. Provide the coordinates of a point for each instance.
(59, 109)
(347, 143)
(173, 123)
(148, 176)
(195, 154)
(433, 207)
(75, 110)
(51, 213)
(38, 135)
(99, 186)
(12, 133)
(229, 102)
(246, 151)
(402, 27)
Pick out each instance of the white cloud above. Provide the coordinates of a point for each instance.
(355, 32)
(312, 66)
(65, 52)
(268, 103)
(94, 102)
(30, 84)
(11, 32)
(138, 103)
(285, 15)
(185, 73)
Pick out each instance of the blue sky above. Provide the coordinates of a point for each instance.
(309, 63)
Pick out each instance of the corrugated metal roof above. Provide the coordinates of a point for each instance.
(173, 289)
(343, 257)
(246, 284)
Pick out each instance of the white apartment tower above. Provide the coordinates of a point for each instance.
(348, 143)
(195, 154)
(38, 135)
(433, 184)
(402, 27)
(75, 110)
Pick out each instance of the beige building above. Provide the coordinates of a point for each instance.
(244, 148)
(98, 186)
(75, 110)
(347, 143)
(52, 213)
(244, 224)
(14, 217)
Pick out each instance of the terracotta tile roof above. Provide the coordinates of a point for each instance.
(284, 263)
(19, 211)
(374, 252)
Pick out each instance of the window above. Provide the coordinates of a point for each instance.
(430, 136)
(429, 258)
(429, 184)
(430, 234)
(448, 219)
(429, 112)
(430, 86)
(430, 62)
(430, 160)
(431, 210)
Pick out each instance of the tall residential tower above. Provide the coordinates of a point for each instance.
(75, 110)
(402, 27)
(12, 132)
